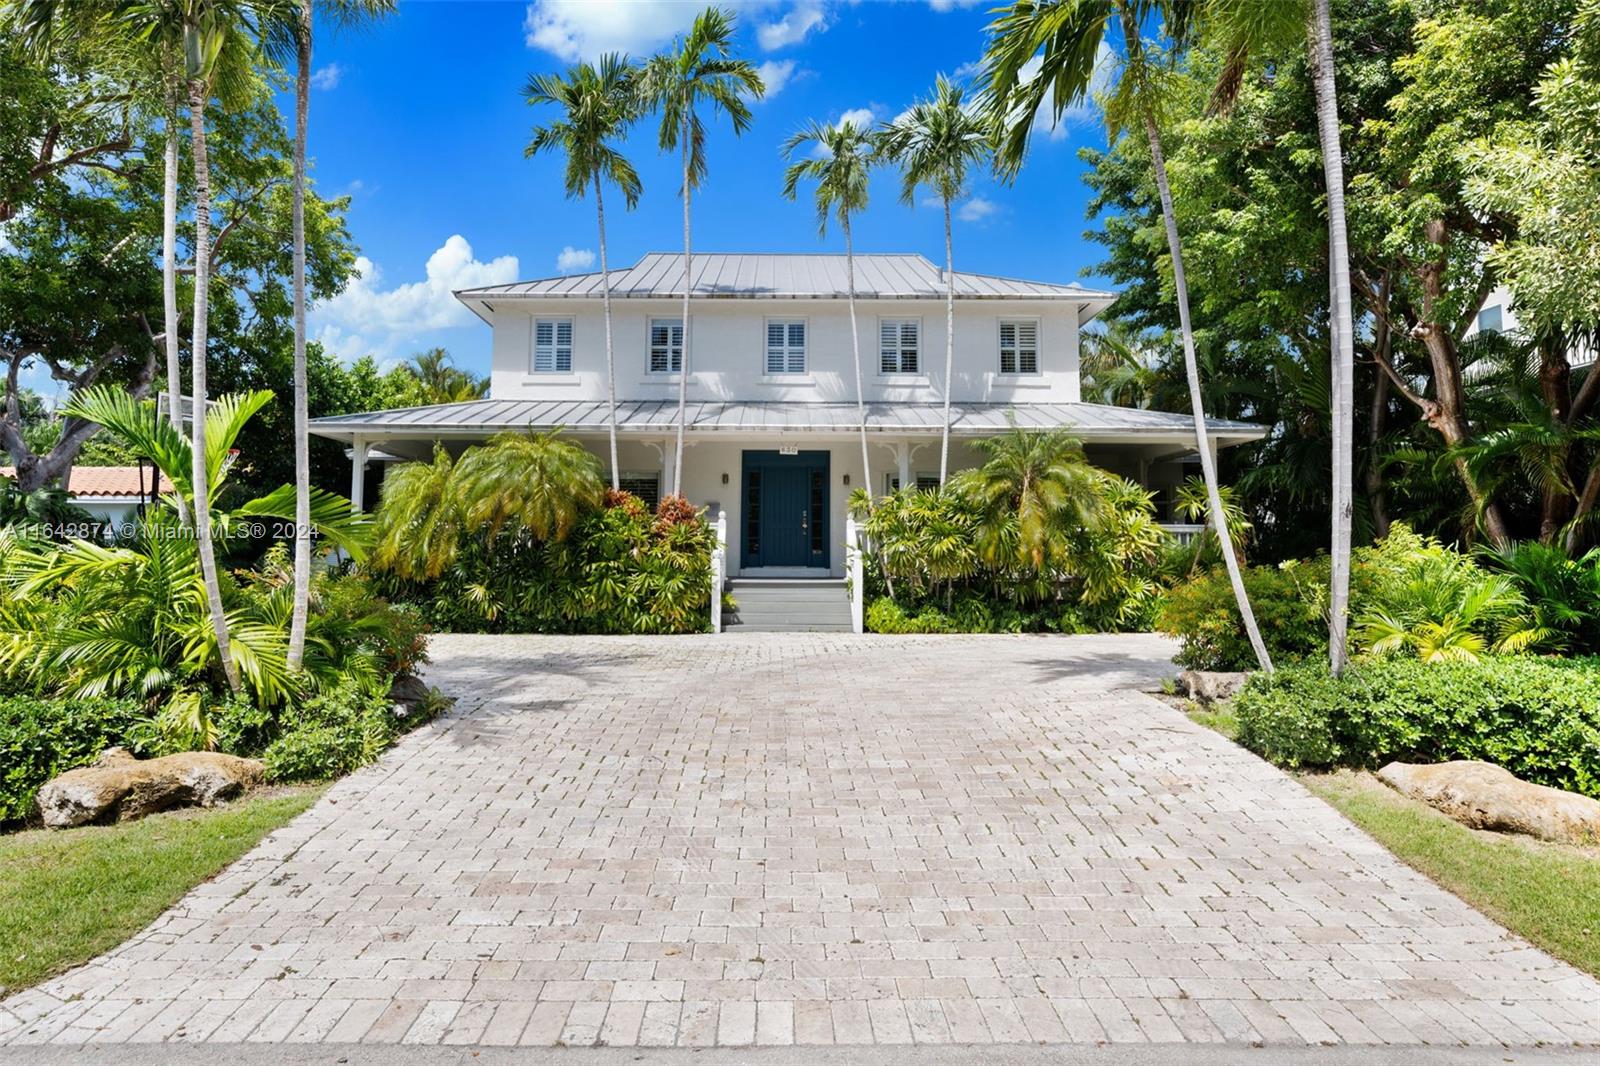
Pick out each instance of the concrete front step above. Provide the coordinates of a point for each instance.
(789, 605)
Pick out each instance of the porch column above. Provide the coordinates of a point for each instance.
(902, 456)
(358, 470)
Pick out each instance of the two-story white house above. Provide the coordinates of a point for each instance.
(771, 435)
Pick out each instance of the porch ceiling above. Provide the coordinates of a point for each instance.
(479, 418)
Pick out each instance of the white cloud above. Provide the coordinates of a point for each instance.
(368, 318)
(775, 74)
(951, 5)
(859, 116)
(792, 28)
(327, 77)
(967, 70)
(587, 29)
(977, 209)
(571, 260)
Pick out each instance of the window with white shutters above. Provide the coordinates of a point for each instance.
(786, 347)
(666, 345)
(898, 346)
(552, 346)
(1019, 347)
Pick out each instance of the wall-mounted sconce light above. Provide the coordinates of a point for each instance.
(847, 479)
(724, 479)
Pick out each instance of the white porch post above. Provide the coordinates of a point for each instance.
(902, 456)
(857, 584)
(358, 470)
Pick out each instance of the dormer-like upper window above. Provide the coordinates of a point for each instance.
(666, 345)
(1019, 346)
(552, 346)
(786, 347)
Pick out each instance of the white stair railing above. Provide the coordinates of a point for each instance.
(719, 570)
(855, 580)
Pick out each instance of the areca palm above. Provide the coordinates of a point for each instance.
(1033, 487)
(937, 143)
(440, 381)
(298, 22)
(840, 169)
(698, 72)
(1063, 38)
(597, 105)
(536, 480)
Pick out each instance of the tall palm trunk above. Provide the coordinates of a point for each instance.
(169, 280)
(949, 342)
(202, 284)
(855, 347)
(302, 433)
(611, 360)
(683, 365)
(1202, 438)
(1343, 361)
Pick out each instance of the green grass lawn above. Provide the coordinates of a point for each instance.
(69, 895)
(1547, 893)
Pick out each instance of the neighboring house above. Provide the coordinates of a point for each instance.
(1499, 315)
(112, 494)
(772, 437)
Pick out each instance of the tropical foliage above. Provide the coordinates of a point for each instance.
(521, 535)
(1034, 538)
(1538, 718)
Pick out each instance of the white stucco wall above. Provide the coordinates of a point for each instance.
(727, 348)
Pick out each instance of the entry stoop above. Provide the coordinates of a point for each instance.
(788, 605)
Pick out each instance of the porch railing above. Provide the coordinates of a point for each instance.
(719, 570)
(854, 581)
(1184, 532)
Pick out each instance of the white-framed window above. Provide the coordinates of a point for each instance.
(552, 346)
(1491, 319)
(899, 345)
(1019, 346)
(645, 486)
(786, 346)
(666, 345)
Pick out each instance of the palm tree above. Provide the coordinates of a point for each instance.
(344, 11)
(597, 107)
(1065, 36)
(440, 381)
(840, 170)
(936, 143)
(1033, 487)
(537, 481)
(698, 71)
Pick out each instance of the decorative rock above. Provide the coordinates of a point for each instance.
(120, 787)
(409, 695)
(1209, 686)
(1485, 796)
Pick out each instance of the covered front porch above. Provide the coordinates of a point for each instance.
(780, 473)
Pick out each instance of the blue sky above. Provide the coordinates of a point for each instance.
(421, 120)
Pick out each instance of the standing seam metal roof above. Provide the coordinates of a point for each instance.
(794, 276)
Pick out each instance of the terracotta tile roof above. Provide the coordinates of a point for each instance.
(103, 481)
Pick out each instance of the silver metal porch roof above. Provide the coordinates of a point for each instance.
(478, 418)
(794, 276)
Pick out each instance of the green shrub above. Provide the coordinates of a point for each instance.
(1538, 718)
(332, 734)
(620, 570)
(1289, 603)
(40, 738)
(974, 614)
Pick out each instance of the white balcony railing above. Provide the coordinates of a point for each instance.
(1184, 532)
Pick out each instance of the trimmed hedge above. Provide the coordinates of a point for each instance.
(1289, 603)
(1538, 718)
(40, 738)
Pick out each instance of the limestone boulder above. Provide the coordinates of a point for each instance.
(120, 787)
(1209, 686)
(1485, 796)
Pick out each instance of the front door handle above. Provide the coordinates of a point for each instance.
(805, 520)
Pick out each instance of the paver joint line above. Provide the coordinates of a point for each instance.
(767, 840)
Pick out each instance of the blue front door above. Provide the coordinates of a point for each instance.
(785, 509)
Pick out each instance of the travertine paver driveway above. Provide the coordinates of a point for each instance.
(815, 838)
